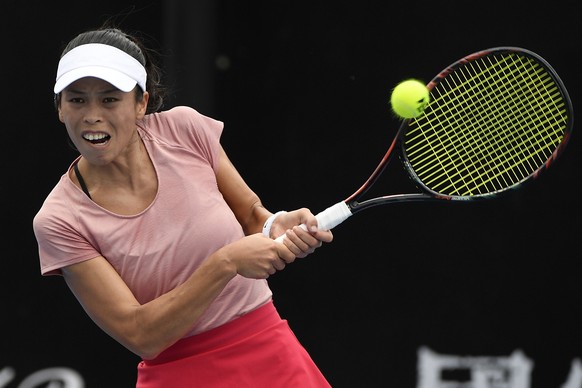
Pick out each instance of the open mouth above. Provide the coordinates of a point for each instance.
(96, 138)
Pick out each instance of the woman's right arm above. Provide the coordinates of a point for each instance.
(147, 329)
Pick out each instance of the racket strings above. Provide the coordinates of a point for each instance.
(479, 150)
(491, 123)
(496, 146)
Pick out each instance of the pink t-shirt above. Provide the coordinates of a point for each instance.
(157, 249)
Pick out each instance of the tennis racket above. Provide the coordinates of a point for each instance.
(496, 119)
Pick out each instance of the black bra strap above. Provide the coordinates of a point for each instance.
(81, 180)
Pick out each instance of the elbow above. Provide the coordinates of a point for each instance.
(145, 337)
(149, 355)
(146, 349)
(141, 342)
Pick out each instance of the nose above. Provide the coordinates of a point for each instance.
(93, 113)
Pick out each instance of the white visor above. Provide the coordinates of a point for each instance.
(101, 61)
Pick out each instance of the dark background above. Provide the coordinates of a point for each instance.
(303, 88)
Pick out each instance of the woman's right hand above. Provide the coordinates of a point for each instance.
(257, 257)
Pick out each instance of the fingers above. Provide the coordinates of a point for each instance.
(310, 222)
(279, 265)
(324, 236)
(257, 257)
(286, 255)
(300, 242)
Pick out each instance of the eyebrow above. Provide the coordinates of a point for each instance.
(106, 91)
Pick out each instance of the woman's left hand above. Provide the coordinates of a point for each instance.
(298, 240)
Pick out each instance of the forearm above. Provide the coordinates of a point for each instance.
(251, 214)
(147, 329)
(167, 318)
(256, 220)
(245, 204)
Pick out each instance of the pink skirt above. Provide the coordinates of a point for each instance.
(257, 350)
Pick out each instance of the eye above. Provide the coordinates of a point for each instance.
(110, 99)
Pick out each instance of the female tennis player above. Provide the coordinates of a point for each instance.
(158, 236)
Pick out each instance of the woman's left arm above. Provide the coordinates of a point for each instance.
(243, 201)
(251, 213)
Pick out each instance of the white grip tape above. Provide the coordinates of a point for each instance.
(329, 218)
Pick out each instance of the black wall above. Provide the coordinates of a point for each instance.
(304, 97)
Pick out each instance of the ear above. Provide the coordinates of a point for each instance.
(57, 104)
(60, 112)
(142, 105)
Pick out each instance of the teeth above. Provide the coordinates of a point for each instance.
(95, 136)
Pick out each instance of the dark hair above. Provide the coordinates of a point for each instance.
(133, 46)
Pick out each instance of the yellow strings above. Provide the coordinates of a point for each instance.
(490, 124)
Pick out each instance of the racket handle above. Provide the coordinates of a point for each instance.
(328, 218)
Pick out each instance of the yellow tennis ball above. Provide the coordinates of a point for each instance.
(409, 98)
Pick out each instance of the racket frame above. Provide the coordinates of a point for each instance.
(354, 202)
